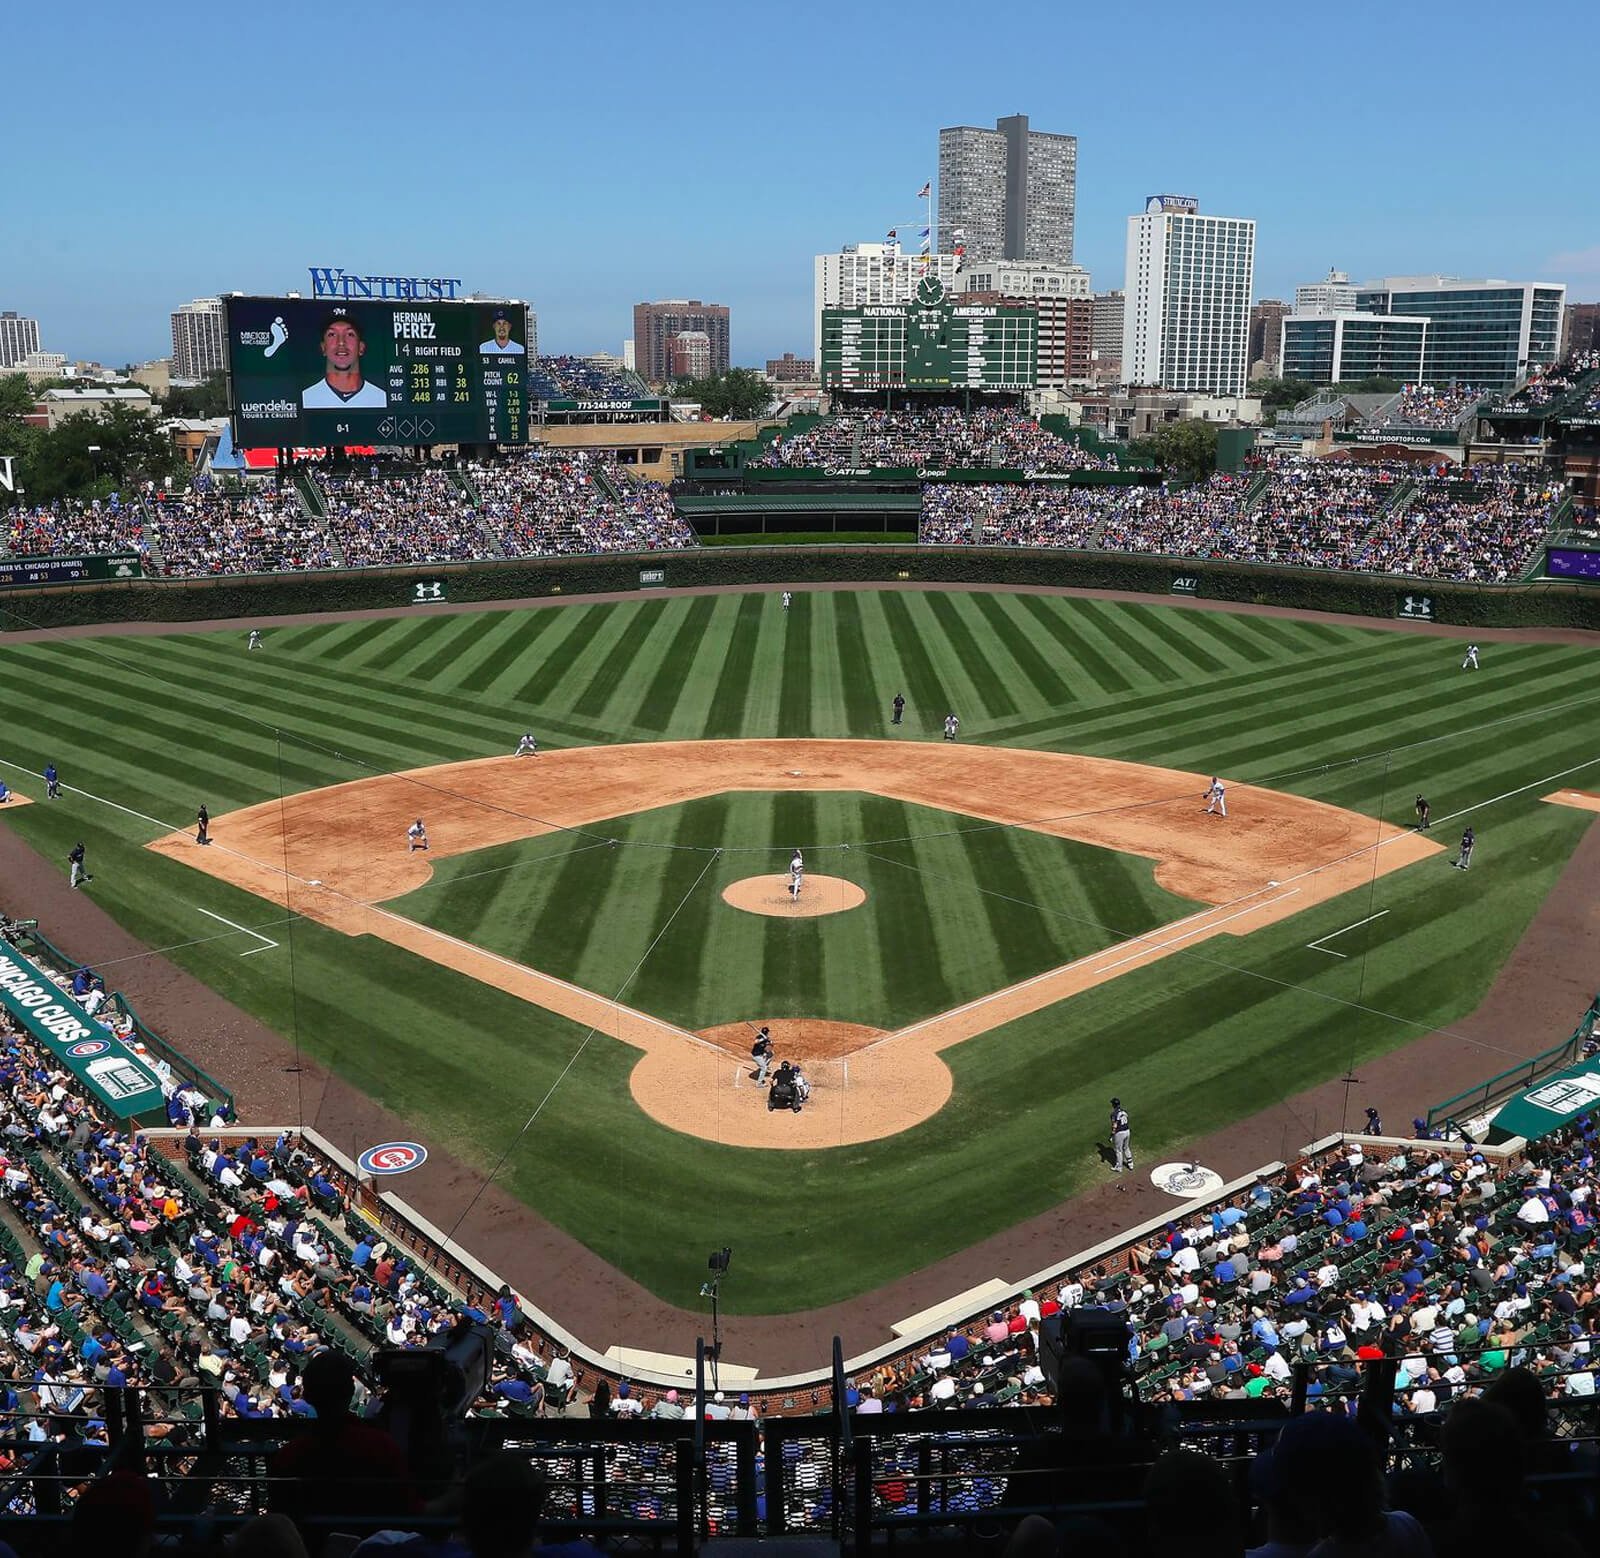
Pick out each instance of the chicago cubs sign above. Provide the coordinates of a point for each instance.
(392, 1157)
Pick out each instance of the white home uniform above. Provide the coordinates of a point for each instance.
(1217, 797)
(322, 396)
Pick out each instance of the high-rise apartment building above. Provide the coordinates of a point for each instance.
(199, 347)
(689, 355)
(789, 369)
(865, 273)
(1483, 333)
(1105, 345)
(654, 325)
(1010, 192)
(1333, 296)
(1266, 333)
(1186, 322)
(1580, 329)
(19, 338)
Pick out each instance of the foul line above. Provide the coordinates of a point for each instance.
(267, 944)
(1317, 946)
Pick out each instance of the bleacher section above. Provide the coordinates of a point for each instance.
(578, 378)
(210, 532)
(938, 439)
(1482, 524)
(418, 517)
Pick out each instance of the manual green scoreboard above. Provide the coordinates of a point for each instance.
(935, 342)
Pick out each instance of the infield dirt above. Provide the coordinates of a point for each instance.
(337, 854)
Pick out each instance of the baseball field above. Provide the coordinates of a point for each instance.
(994, 935)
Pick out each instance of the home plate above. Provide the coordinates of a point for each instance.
(1185, 1180)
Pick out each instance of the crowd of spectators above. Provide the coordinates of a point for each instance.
(418, 516)
(938, 439)
(1437, 408)
(549, 502)
(580, 378)
(1482, 524)
(1554, 384)
(1479, 523)
(1016, 514)
(211, 531)
(72, 527)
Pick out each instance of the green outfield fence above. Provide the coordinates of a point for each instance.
(1515, 1079)
(1546, 603)
(183, 1068)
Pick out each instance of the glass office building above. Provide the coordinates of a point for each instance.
(1484, 333)
(1344, 348)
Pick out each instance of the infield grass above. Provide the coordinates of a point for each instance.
(1359, 718)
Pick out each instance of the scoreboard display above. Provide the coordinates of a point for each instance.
(317, 372)
(935, 342)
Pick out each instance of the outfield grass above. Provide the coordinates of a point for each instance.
(955, 908)
(157, 724)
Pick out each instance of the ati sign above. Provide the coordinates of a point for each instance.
(428, 592)
(1185, 584)
(1415, 608)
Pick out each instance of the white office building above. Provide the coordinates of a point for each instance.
(19, 338)
(1334, 296)
(1186, 320)
(199, 345)
(863, 273)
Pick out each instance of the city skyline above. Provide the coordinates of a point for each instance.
(102, 250)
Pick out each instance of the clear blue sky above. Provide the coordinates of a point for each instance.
(589, 156)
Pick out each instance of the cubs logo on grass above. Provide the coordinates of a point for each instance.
(392, 1157)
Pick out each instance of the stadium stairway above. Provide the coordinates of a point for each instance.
(475, 500)
(156, 556)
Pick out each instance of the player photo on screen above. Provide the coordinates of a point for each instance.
(500, 343)
(342, 383)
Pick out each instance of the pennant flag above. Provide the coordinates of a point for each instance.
(894, 233)
(922, 194)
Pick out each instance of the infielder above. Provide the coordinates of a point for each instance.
(202, 825)
(417, 834)
(1471, 662)
(797, 875)
(951, 726)
(255, 639)
(1423, 811)
(1215, 795)
(527, 746)
(1468, 839)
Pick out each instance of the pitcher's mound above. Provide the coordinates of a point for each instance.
(770, 895)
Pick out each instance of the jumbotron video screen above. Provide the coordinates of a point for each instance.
(316, 372)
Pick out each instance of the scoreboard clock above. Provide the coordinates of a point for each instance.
(309, 373)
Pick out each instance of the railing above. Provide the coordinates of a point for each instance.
(1514, 1079)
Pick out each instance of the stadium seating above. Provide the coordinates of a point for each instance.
(207, 531)
(944, 438)
(580, 378)
(1439, 409)
(412, 517)
(72, 528)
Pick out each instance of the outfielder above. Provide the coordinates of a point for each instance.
(417, 834)
(1471, 662)
(1215, 795)
(527, 746)
(951, 726)
(255, 639)
(797, 875)
(787, 597)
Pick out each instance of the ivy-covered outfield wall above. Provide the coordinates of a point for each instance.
(193, 600)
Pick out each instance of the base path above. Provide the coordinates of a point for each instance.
(336, 854)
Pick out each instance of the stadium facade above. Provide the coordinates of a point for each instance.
(199, 340)
(1188, 284)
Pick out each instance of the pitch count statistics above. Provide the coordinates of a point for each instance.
(329, 371)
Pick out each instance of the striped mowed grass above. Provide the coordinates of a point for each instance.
(144, 728)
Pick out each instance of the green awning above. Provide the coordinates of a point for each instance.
(1558, 1100)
